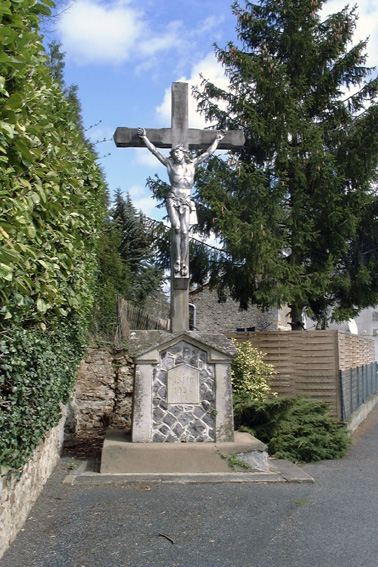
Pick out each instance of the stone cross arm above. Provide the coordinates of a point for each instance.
(162, 138)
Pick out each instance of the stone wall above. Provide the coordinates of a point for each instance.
(103, 394)
(184, 421)
(18, 496)
(215, 317)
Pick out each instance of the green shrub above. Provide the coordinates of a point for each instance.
(297, 429)
(250, 374)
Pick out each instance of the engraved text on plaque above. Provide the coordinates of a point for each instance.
(183, 385)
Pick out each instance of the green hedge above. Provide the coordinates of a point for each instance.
(52, 195)
(51, 188)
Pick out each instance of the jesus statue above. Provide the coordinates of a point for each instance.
(181, 169)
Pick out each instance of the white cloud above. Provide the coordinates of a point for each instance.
(144, 157)
(209, 24)
(94, 33)
(100, 133)
(170, 37)
(136, 192)
(210, 240)
(147, 205)
(115, 31)
(143, 200)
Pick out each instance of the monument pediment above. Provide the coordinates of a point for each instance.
(145, 346)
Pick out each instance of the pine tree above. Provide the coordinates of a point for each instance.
(113, 277)
(136, 250)
(135, 244)
(56, 64)
(297, 211)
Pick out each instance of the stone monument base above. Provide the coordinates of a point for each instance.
(182, 387)
(121, 456)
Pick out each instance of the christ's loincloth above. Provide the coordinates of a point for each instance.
(181, 204)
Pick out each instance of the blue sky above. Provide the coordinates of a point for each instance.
(124, 56)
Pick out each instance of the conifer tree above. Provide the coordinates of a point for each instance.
(113, 277)
(56, 64)
(136, 250)
(297, 211)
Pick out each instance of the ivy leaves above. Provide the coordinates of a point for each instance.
(37, 372)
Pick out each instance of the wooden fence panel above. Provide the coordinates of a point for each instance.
(309, 363)
(277, 347)
(355, 350)
(132, 318)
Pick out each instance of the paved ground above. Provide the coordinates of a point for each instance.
(331, 523)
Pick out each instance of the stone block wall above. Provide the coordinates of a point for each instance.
(215, 317)
(18, 496)
(103, 394)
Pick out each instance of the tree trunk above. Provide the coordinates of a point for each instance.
(296, 318)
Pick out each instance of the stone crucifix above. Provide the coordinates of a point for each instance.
(181, 170)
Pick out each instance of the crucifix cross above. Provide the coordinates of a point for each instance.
(181, 175)
(179, 133)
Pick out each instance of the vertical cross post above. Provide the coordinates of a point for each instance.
(179, 286)
(179, 125)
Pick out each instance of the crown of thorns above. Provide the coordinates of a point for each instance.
(179, 147)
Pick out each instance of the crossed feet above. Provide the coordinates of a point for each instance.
(181, 269)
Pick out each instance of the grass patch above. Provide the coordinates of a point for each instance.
(233, 461)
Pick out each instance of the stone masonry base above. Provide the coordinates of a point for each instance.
(18, 496)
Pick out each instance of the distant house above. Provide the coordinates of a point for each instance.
(207, 314)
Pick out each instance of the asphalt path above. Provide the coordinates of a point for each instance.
(331, 523)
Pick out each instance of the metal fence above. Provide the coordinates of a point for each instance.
(356, 386)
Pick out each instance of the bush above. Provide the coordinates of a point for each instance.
(297, 429)
(250, 374)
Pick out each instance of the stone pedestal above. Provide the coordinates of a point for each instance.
(179, 305)
(182, 387)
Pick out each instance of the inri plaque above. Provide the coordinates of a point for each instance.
(183, 385)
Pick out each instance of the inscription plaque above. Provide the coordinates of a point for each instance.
(183, 385)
